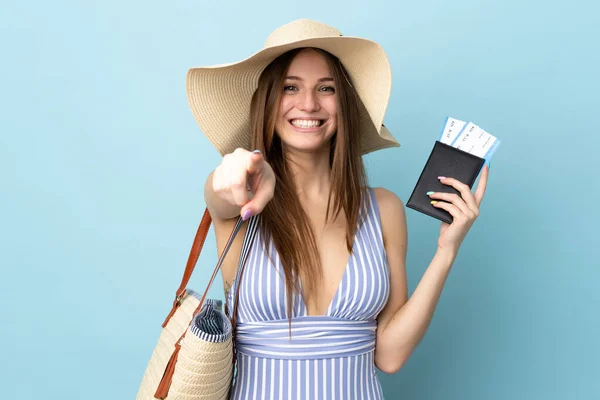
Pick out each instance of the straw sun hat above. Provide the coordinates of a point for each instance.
(220, 95)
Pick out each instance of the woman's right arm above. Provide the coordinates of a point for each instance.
(227, 196)
(219, 208)
(242, 184)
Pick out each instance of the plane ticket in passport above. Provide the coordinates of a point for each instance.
(469, 137)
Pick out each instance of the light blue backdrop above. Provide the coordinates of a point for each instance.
(102, 168)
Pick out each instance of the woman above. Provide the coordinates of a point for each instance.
(323, 299)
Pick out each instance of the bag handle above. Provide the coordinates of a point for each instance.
(163, 387)
(201, 234)
(197, 246)
(250, 234)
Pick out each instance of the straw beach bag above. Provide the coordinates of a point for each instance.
(195, 355)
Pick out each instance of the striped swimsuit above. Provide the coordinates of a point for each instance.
(327, 357)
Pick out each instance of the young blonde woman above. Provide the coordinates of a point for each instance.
(323, 301)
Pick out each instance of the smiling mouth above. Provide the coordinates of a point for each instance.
(307, 123)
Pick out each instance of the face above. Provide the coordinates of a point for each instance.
(307, 117)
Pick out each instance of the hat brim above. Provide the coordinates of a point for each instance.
(219, 96)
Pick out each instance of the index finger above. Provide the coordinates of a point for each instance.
(254, 162)
(481, 186)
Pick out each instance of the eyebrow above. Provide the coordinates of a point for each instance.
(297, 78)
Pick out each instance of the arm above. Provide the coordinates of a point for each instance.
(219, 208)
(227, 196)
(241, 185)
(402, 324)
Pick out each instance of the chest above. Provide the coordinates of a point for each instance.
(334, 257)
(354, 286)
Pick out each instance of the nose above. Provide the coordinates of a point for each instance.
(309, 102)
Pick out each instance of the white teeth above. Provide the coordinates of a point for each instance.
(306, 123)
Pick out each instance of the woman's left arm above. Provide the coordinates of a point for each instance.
(403, 322)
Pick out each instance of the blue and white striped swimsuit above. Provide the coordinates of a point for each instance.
(327, 357)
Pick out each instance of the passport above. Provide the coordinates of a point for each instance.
(461, 151)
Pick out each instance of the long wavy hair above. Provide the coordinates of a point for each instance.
(284, 219)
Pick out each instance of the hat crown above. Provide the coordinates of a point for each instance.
(302, 29)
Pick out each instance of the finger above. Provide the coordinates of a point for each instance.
(239, 192)
(465, 191)
(482, 185)
(453, 198)
(217, 181)
(254, 162)
(220, 178)
(263, 194)
(451, 208)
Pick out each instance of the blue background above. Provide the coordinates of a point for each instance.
(102, 170)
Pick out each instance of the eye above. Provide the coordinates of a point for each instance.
(290, 88)
(329, 89)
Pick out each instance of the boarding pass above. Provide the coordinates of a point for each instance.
(469, 137)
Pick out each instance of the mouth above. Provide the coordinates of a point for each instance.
(307, 123)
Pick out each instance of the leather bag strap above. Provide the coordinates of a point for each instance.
(199, 240)
(163, 387)
(195, 253)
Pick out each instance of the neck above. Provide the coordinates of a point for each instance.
(311, 173)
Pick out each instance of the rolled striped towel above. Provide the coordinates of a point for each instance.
(204, 366)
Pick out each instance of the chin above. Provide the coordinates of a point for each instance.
(306, 141)
(307, 144)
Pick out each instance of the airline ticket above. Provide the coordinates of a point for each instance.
(469, 137)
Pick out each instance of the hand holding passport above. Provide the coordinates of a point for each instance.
(460, 153)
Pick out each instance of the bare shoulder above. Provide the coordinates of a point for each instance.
(388, 200)
(391, 211)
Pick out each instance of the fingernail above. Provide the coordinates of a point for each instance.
(247, 215)
(257, 151)
(433, 202)
(441, 177)
(430, 193)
